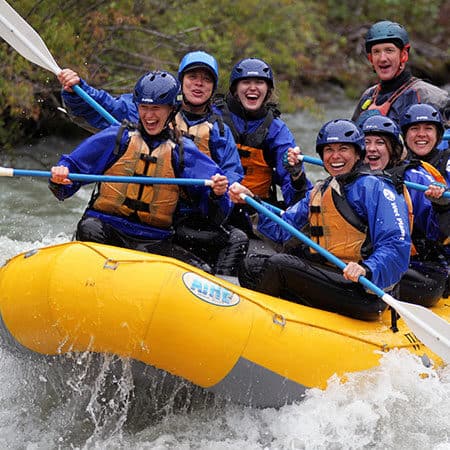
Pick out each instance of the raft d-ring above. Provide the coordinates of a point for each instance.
(30, 253)
(278, 319)
(110, 264)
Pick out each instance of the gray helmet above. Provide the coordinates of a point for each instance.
(387, 31)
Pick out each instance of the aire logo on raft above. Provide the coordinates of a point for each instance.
(208, 291)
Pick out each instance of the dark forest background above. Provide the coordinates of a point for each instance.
(310, 44)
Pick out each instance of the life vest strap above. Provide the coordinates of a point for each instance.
(136, 205)
(316, 231)
(149, 158)
(244, 153)
(386, 106)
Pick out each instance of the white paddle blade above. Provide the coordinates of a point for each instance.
(431, 329)
(24, 39)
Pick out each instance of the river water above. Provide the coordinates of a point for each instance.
(86, 401)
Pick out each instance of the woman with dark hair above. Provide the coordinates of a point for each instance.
(423, 127)
(426, 280)
(262, 137)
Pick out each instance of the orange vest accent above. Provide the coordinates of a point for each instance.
(386, 106)
(339, 236)
(200, 133)
(258, 174)
(433, 172)
(154, 205)
(440, 179)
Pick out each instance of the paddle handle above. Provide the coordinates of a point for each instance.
(9, 172)
(6, 172)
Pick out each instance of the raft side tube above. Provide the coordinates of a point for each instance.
(91, 297)
(88, 297)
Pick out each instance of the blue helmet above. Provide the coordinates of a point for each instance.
(384, 125)
(157, 88)
(340, 131)
(419, 113)
(251, 68)
(387, 31)
(194, 60)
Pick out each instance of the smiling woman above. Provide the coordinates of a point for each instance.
(423, 128)
(261, 137)
(339, 158)
(340, 214)
(377, 151)
(141, 216)
(252, 93)
(156, 94)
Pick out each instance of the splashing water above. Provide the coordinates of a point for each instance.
(102, 401)
(91, 401)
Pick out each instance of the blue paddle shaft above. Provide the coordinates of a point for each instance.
(306, 240)
(106, 178)
(89, 100)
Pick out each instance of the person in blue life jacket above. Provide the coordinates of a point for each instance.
(261, 136)
(387, 46)
(331, 213)
(427, 278)
(141, 216)
(423, 127)
(198, 74)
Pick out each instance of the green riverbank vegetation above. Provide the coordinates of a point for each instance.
(111, 43)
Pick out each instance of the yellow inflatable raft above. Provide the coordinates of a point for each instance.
(246, 346)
